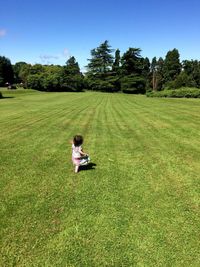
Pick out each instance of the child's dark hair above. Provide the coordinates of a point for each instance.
(78, 140)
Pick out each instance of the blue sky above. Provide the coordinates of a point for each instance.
(49, 31)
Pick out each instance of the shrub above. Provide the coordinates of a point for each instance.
(100, 85)
(1, 96)
(133, 84)
(182, 80)
(179, 93)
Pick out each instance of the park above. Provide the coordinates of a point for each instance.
(99, 133)
(138, 205)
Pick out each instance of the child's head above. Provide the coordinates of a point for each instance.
(78, 140)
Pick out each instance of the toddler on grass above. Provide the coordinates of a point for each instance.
(79, 158)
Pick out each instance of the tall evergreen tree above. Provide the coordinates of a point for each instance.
(172, 65)
(101, 61)
(116, 71)
(156, 73)
(145, 66)
(72, 67)
(72, 78)
(159, 74)
(192, 70)
(133, 80)
(100, 75)
(146, 71)
(131, 61)
(116, 64)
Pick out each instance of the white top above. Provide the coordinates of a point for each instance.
(76, 151)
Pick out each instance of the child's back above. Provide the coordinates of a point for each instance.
(78, 156)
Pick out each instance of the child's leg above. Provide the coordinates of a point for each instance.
(76, 168)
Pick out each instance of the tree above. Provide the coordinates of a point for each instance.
(100, 75)
(183, 80)
(101, 61)
(17, 67)
(133, 84)
(116, 63)
(24, 71)
(145, 66)
(192, 69)
(131, 62)
(153, 72)
(72, 67)
(6, 71)
(54, 78)
(146, 71)
(156, 73)
(34, 81)
(160, 65)
(172, 65)
(72, 77)
(133, 75)
(37, 69)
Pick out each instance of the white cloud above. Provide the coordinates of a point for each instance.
(2, 32)
(48, 59)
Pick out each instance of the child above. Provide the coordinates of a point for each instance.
(79, 158)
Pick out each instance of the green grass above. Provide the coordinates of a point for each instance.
(138, 207)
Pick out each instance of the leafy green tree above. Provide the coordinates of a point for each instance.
(133, 84)
(50, 82)
(188, 66)
(72, 77)
(72, 67)
(37, 69)
(113, 77)
(192, 69)
(17, 67)
(172, 65)
(160, 65)
(23, 73)
(145, 66)
(183, 80)
(34, 81)
(6, 71)
(54, 77)
(133, 74)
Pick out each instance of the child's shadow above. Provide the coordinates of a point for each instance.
(89, 166)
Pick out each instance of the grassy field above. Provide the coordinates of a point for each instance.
(137, 206)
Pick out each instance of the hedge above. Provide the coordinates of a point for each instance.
(179, 93)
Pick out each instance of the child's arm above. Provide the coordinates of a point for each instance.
(82, 153)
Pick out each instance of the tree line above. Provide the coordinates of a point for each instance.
(107, 71)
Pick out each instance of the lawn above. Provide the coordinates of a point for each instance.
(137, 206)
